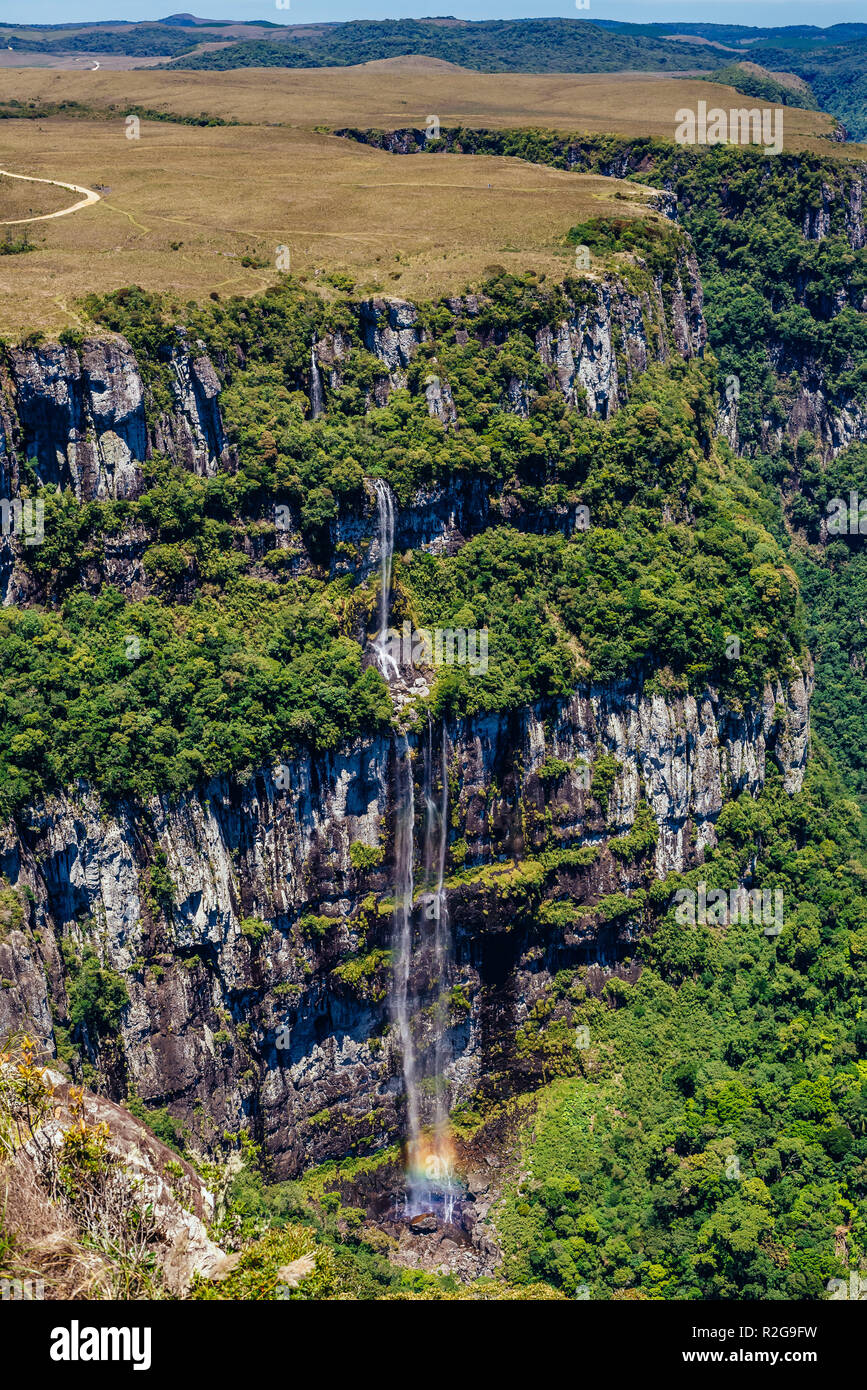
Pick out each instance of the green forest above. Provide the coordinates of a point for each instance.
(709, 1142)
(767, 287)
(262, 663)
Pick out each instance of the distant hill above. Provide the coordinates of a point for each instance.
(524, 45)
(832, 62)
(162, 38)
(755, 81)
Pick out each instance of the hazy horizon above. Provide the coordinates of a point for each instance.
(751, 13)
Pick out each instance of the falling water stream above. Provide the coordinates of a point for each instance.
(404, 823)
(385, 510)
(439, 1168)
(317, 395)
(430, 1178)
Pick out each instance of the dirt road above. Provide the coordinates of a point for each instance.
(89, 197)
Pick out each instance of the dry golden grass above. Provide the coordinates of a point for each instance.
(19, 199)
(46, 1245)
(404, 92)
(182, 205)
(415, 226)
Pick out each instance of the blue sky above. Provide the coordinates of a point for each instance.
(646, 11)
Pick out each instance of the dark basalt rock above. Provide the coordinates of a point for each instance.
(424, 1224)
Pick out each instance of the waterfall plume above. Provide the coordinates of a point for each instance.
(317, 395)
(385, 511)
(421, 942)
(403, 953)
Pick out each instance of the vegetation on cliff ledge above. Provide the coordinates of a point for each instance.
(240, 654)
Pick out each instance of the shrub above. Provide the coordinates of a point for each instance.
(254, 929)
(365, 856)
(97, 994)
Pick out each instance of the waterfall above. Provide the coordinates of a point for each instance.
(317, 395)
(385, 510)
(442, 943)
(430, 1179)
(436, 838)
(436, 847)
(431, 1184)
(404, 827)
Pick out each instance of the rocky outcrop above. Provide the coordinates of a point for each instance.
(86, 422)
(390, 330)
(597, 352)
(331, 351)
(835, 419)
(809, 399)
(192, 433)
(81, 417)
(607, 339)
(440, 402)
(257, 1000)
(141, 1173)
(847, 192)
(687, 309)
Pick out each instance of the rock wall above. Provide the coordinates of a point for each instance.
(257, 988)
(837, 418)
(78, 417)
(87, 423)
(236, 1026)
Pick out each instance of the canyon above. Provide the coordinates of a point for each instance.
(345, 947)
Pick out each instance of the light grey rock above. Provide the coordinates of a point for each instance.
(81, 419)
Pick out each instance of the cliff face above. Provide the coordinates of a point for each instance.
(286, 1032)
(835, 418)
(809, 398)
(591, 355)
(86, 421)
(600, 348)
(79, 418)
(192, 432)
(251, 920)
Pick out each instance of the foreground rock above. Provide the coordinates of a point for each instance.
(144, 1176)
